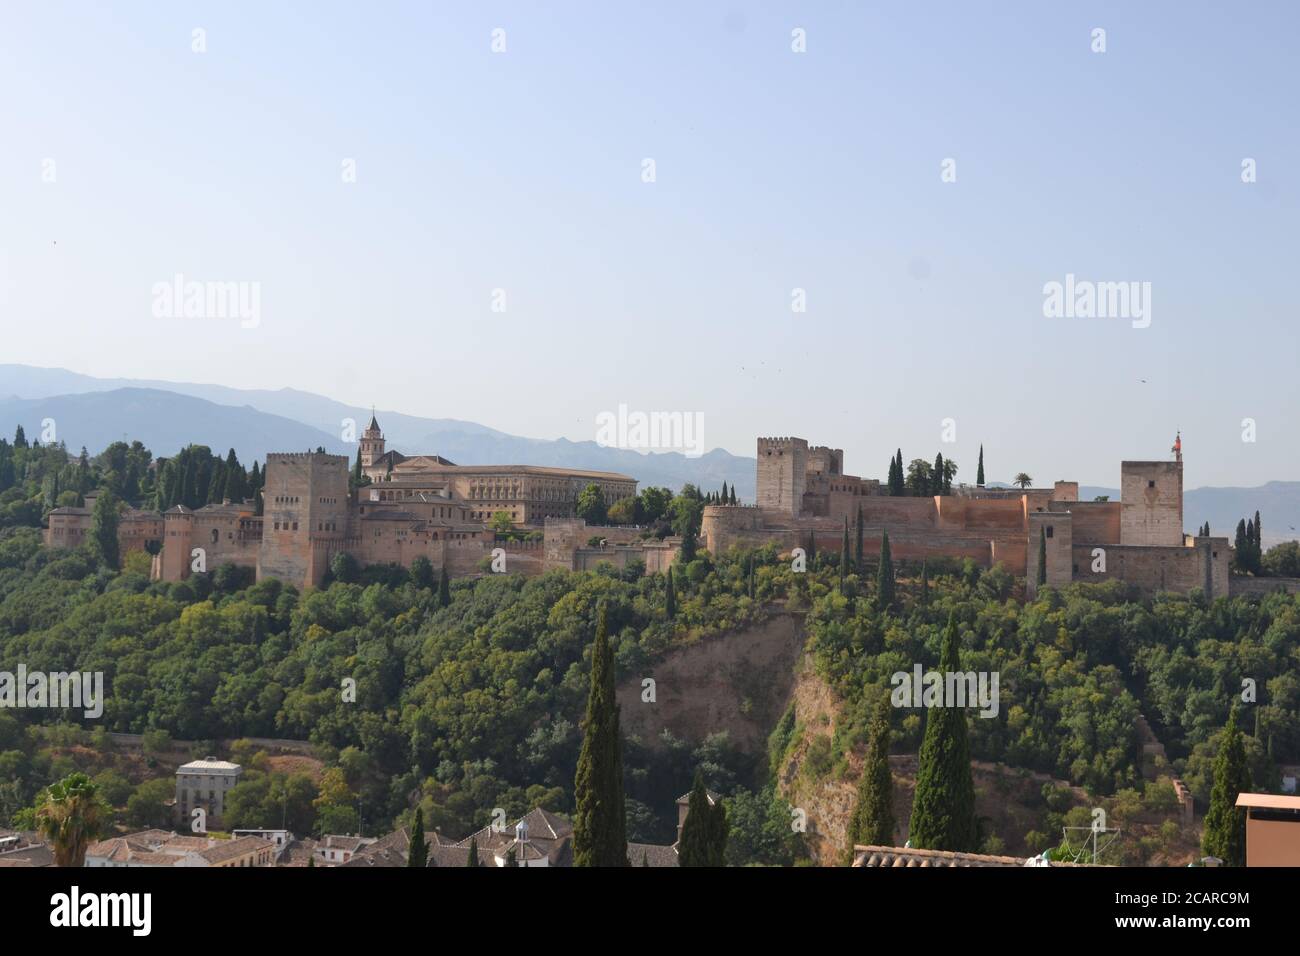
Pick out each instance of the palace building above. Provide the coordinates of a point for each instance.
(418, 506)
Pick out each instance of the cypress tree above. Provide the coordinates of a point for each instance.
(885, 575)
(234, 472)
(1241, 546)
(857, 548)
(20, 438)
(1042, 556)
(472, 859)
(444, 588)
(979, 474)
(1257, 558)
(418, 851)
(704, 832)
(1224, 835)
(103, 530)
(936, 475)
(217, 484)
(733, 495)
(670, 596)
(600, 822)
(943, 809)
(812, 548)
(725, 499)
(689, 546)
(844, 555)
(925, 583)
(356, 468)
(872, 822)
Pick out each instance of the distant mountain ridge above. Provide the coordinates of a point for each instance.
(166, 416)
(94, 412)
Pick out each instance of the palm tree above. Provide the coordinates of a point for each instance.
(71, 818)
(1023, 480)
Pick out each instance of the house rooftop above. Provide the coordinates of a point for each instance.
(1268, 801)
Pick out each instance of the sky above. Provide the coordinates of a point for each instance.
(385, 180)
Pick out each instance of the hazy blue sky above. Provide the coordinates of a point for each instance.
(523, 171)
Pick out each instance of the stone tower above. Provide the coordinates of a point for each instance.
(372, 443)
(305, 516)
(1151, 503)
(782, 474)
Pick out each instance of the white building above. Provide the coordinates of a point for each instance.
(203, 784)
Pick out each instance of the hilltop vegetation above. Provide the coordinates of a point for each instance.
(472, 702)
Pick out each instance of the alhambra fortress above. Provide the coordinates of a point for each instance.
(428, 506)
(804, 497)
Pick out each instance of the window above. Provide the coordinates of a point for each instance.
(1049, 530)
(1151, 483)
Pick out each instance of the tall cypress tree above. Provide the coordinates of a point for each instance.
(925, 583)
(872, 822)
(1224, 835)
(885, 575)
(600, 822)
(943, 809)
(1257, 558)
(417, 853)
(979, 474)
(733, 494)
(844, 555)
(103, 530)
(1043, 557)
(472, 859)
(444, 588)
(704, 833)
(857, 547)
(670, 596)
(936, 475)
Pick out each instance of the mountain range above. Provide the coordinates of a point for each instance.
(166, 416)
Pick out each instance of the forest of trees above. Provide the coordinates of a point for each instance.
(470, 693)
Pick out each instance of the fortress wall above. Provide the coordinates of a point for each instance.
(1152, 568)
(1012, 553)
(722, 526)
(1095, 521)
(461, 556)
(897, 512)
(995, 514)
(136, 529)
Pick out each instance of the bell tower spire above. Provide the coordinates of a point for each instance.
(372, 442)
